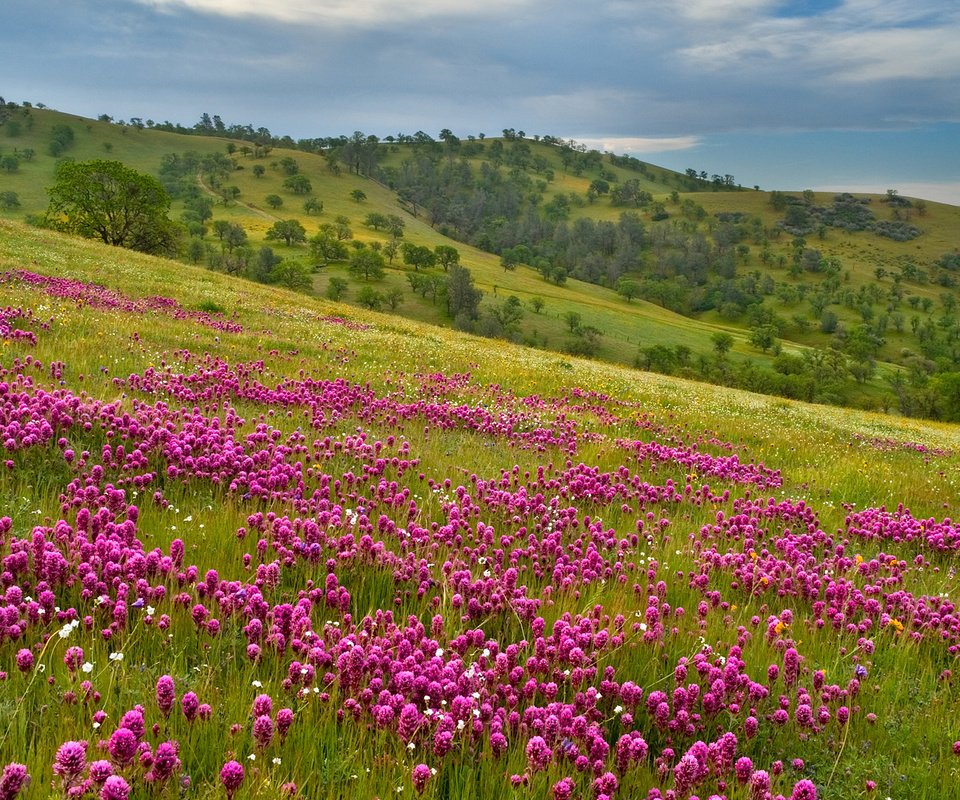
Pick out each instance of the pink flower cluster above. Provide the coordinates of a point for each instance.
(95, 296)
(11, 320)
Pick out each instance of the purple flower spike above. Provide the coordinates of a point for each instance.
(231, 776)
(421, 774)
(115, 788)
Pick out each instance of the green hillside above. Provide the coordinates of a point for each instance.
(260, 544)
(856, 317)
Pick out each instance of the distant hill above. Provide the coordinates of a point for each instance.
(832, 298)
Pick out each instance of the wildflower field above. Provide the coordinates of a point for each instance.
(253, 547)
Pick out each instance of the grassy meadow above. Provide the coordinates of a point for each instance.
(257, 544)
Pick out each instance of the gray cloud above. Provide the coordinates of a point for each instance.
(616, 68)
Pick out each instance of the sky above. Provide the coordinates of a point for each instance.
(784, 94)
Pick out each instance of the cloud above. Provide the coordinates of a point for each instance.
(362, 13)
(895, 54)
(713, 11)
(684, 78)
(860, 41)
(640, 144)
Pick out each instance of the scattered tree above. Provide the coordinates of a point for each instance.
(390, 250)
(196, 249)
(289, 230)
(395, 226)
(61, 137)
(418, 256)
(312, 206)
(230, 234)
(298, 184)
(292, 274)
(342, 228)
(368, 297)
(325, 247)
(366, 263)
(629, 289)
(722, 343)
(376, 220)
(463, 298)
(262, 269)
(763, 337)
(394, 298)
(337, 288)
(446, 256)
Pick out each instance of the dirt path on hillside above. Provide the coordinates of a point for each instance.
(252, 209)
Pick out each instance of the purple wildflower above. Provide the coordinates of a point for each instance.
(231, 776)
(420, 776)
(15, 777)
(166, 695)
(115, 788)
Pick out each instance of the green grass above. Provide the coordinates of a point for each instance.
(825, 455)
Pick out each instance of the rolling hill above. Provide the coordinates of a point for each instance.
(835, 315)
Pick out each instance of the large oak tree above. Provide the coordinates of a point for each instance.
(107, 200)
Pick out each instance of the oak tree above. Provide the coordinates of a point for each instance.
(109, 201)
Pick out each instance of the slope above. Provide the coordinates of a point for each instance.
(302, 542)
